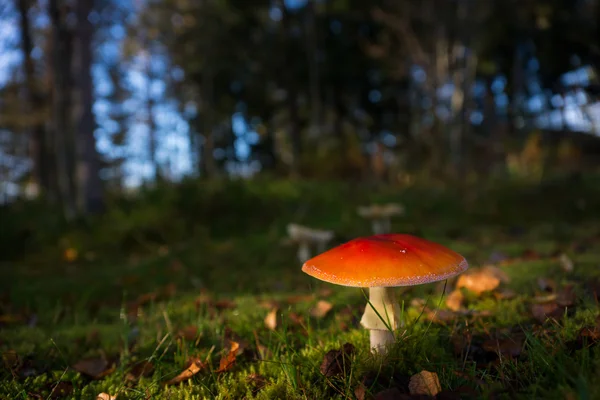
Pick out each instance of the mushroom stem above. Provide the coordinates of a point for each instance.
(381, 317)
(303, 251)
(377, 226)
(380, 340)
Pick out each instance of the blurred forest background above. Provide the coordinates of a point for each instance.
(106, 96)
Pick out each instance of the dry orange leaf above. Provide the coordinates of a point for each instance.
(455, 300)
(424, 383)
(194, 366)
(271, 319)
(478, 281)
(228, 360)
(321, 309)
(95, 368)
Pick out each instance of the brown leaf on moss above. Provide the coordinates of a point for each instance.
(506, 347)
(529, 254)
(269, 304)
(337, 362)
(478, 281)
(543, 311)
(95, 368)
(455, 300)
(271, 319)
(321, 309)
(424, 383)
(392, 394)
(296, 318)
(60, 390)
(193, 366)
(228, 360)
(140, 369)
(224, 304)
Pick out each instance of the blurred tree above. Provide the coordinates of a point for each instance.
(90, 197)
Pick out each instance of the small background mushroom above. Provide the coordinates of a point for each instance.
(304, 237)
(380, 215)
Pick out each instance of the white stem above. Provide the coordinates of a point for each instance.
(377, 227)
(303, 252)
(381, 340)
(321, 246)
(381, 317)
(387, 225)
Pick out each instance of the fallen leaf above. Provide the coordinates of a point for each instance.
(478, 281)
(507, 347)
(269, 304)
(228, 360)
(296, 318)
(391, 394)
(60, 390)
(189, 333)
(271, 319)
(543, 311)
(360, 392)
(194, 365)
(140, 369)
(105, 396)
(336, 362)
(566, 263)
(95, 368)
(529, 254)
(224, 304)
(424, 383)
(455, 300)
(321, 309)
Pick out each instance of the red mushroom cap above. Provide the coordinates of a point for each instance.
(386, 260)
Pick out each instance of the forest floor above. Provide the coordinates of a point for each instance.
(192, 292)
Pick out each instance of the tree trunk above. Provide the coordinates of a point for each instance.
(89, 185)
(209, 166)
(312, 41)
(40, 170)
(61, 61)
(150, 103)
(292, 97)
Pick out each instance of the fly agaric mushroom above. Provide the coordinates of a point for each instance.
(382, 262)
(380, 215)
(304, 237)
